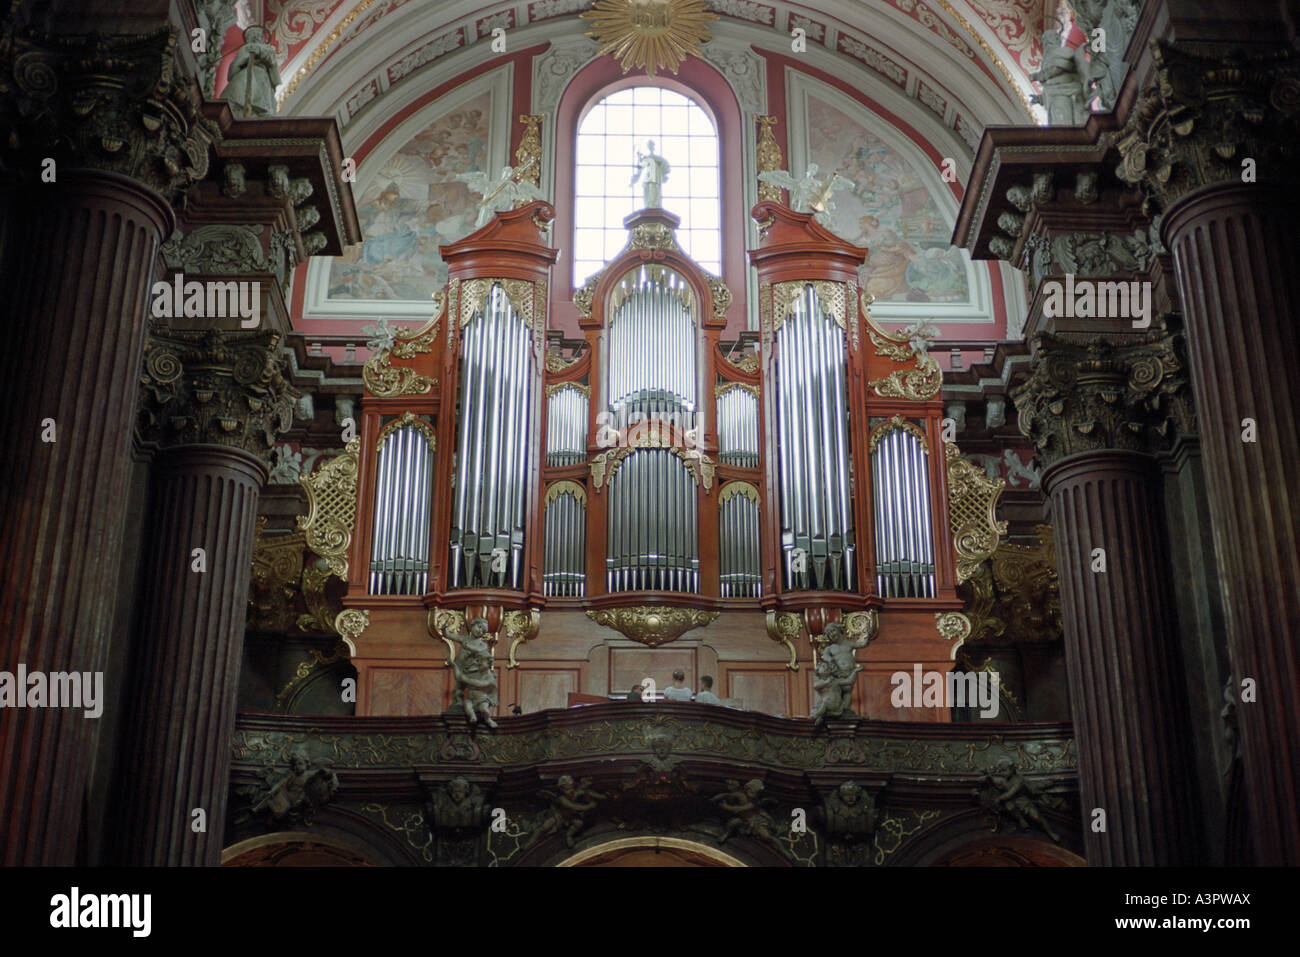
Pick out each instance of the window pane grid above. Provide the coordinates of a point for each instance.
(611, 134)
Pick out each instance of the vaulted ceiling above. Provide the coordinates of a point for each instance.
(338, 54)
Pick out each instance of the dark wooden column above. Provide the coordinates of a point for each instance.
(123, 137)
(1094, 406)
(1237, 259)
(213, 402)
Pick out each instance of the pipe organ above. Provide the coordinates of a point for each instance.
(648, 457)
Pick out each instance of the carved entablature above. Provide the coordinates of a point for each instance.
(1104, 392)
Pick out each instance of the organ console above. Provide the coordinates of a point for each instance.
(648, 461)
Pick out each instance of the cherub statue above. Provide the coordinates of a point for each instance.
(568, 808)
(1006, 792)
(809, 194)
(297, 791)
(749, 812)
(919, 335)
(476, 684)
(253, 77)
(457, 804)
(837, 672)
(849, 812)
(503, 193)
(654, 168)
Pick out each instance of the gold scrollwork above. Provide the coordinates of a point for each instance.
(408, 418)
(520, 626)
(893, 425)
(528, 157)
(768, 155)
(784, 627)
(385, 380)
(830, 296)
(519, 292)
(743, 489)
(351, 622)
(860, 624)
(441, 621)
(652, 625)
(918, 384)
(579, 386)
(606, 463)
(565, 487)
(953, 626)
(972, 512)
(332, 508)
(721, 297)
(722, 388)
(652, 236)
(585, 297)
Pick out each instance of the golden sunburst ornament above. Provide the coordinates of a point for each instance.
(653, 34)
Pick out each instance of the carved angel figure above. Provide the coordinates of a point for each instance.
(569, 806)
(748, 810)
(294, 792)
(837, 672)
(849, 812)
(1007, 793)
(809, 194)
(500, 194)
(476, 684)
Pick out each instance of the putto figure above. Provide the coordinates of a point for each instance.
(1008, 794)
(652, 169)
(837, 672)
(476, 683)
(569, 806)
(253, 77)
(748, 810)
(296, 792)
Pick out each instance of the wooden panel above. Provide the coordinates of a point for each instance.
(541, 688)
(403, 691)
(766, 689)
(627, 666)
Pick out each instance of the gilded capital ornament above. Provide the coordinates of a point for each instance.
(1205, 120)
(215, 388)
(1088, 393)
(652, 625)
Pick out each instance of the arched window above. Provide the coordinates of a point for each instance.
(611, 133)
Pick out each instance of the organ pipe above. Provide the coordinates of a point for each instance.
(488, 515)
(901, 506)
(399, 554)
(817, 536)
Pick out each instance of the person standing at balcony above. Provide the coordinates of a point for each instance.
(706, 695)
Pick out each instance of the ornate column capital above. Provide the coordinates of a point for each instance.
(215, 388)
(1201, 116)
(118, 104)
(1088, 393)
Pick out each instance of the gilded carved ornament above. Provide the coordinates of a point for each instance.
(652, 625)
(1017, 595)
(528, 157)
(830, 296)
(565, 487)
(650, 34)
(606, 463)
(972, 512)
(332, 508)
(897, 424)
(768, 156)
(405, 420)
(383, 379)
(920, 383)
(743, 489)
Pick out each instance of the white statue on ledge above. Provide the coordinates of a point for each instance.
(503, 193)
(654, 168)
(808, 194)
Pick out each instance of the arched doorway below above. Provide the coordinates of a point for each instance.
(651, 852)
(1009, 852)
(293, 850)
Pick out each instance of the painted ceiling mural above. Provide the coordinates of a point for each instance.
(412, 206)
(888, 209)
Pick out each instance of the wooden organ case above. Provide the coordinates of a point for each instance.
(655, 474)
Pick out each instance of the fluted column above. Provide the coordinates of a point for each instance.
(99, 139)
(1094, 409)
(213, 402)
(1214, 142)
